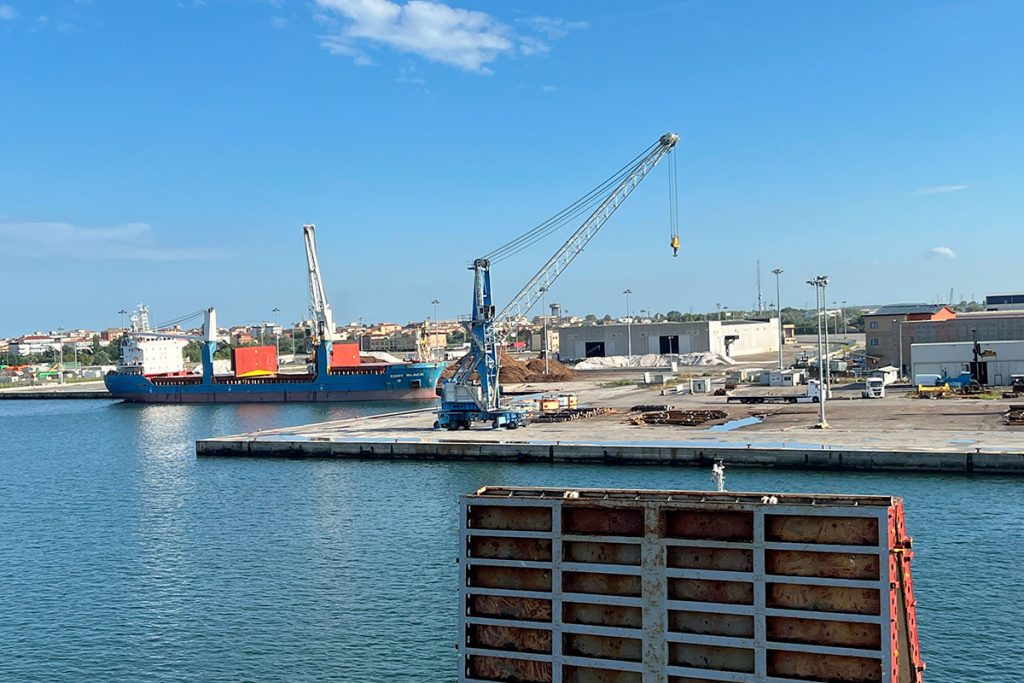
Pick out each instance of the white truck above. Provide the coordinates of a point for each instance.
(874, 387)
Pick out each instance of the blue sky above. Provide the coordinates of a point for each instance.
(168, 152)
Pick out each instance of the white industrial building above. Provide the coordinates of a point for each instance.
(725, 337)
(997, 360)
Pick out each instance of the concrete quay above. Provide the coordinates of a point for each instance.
(78, 390)
(609, 440)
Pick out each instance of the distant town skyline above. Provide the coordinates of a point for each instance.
(169, 152)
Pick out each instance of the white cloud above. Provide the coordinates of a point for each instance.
(554, 27)
(8, 13)
(279, 22)
(466, 39)
(941, 189)
(944, 252)
(462, 38)
(547, 89)
(132, 241)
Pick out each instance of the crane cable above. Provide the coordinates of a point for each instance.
(584, 204)
(179, 321)
(673, 204)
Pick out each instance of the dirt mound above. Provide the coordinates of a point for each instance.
(515, 371)
(556, 372)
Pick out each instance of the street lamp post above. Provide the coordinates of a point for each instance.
(844, 318)
(629, 328)
(123, 314)
(819, 283)
(778, 306)
(544, 312)
(719, 307)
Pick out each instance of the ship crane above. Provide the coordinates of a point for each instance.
(465, 401)
(323, 317)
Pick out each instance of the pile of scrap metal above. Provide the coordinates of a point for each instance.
(685, 418)
(569, 414)
(649, 407)
(1015, 415)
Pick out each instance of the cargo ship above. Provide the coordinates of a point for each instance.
(152, 368)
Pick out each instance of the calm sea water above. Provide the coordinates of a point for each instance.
(123, 557)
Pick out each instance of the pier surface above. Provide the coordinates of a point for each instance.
(894, 434)
(56, 391)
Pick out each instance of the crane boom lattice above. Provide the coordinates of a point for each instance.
(533, 290)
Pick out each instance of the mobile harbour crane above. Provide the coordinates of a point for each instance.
(465, 401)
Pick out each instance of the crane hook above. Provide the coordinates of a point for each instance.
(675, 245)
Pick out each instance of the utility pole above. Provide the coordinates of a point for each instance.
(629, 328)
(778, 305)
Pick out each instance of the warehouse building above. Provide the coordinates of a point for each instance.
(988, 326)
(884, 328)
(725, 337)
(998, 361)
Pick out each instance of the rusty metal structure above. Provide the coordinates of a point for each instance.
(633, 586)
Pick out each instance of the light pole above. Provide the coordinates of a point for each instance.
(544, 312)
(629, 328)
(123, 314)
(719, 307)
(778, 306)
(844, 318)
(277, 334)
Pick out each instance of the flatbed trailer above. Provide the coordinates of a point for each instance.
(812, 395)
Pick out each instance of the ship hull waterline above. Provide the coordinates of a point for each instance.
(404, 383)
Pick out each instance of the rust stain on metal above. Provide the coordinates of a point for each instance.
(602, 584)
(710, 525)
(602, 553)
(504, 517)
(515, 578)
(828, 565)
(724, 592)
(815, 666)
(833, 530)
(602, 615)
(510, 638)
(602, 647)
(718, 559)
(711, 657)
(537, 549)
(823, 598)
(603, 521)
(711, 623)
(520, 609)
(819, 632)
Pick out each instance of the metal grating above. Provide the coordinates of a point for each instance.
(617, 586)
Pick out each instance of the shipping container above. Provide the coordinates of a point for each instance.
(632, 586)
(344, 355)
(254, 360)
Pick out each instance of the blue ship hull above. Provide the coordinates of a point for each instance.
(400, 381)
